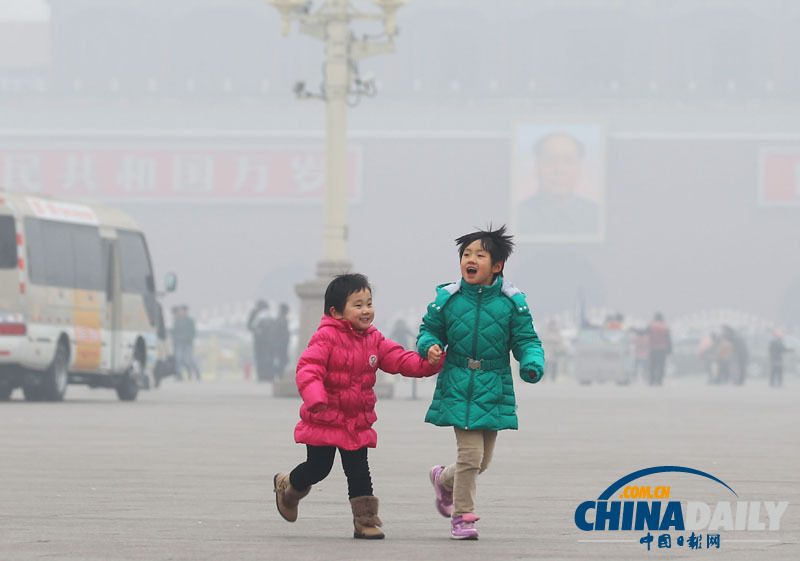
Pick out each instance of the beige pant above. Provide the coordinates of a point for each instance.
(475, 450)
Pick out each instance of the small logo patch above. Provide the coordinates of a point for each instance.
(373, 361)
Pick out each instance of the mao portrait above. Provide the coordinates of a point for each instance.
(559, 183)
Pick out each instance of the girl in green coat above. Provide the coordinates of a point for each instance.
(479, 320)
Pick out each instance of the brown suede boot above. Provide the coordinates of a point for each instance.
(287, 497)
(365, 518)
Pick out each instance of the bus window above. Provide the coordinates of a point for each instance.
(65, 255)
(8, 243)
(58, 254)
(134, 262)
(87, 251)
(136, 273)
(37, 269)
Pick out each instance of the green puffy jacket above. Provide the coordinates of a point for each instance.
(479, 323)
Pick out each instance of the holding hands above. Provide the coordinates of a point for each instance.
(434, 355)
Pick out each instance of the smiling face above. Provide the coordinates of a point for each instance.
(357, 310)
(476, 265)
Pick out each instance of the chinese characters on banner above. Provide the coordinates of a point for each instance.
(254, 175)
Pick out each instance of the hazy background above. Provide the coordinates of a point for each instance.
(697, 100)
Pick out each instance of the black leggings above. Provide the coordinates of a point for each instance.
(319, 462)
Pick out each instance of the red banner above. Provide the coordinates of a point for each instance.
(780, 177)
(260, 175)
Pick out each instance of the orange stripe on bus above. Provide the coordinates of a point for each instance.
(88, 337)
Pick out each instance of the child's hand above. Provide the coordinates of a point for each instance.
(434, 355)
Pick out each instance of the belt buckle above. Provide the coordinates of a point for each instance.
(473, 364)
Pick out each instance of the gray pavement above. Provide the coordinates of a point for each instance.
(185, 473)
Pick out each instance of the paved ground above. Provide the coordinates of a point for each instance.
(185, 473)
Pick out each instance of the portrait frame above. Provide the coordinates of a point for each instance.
(579, 217)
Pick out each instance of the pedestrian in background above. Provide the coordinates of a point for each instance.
(724, 354)
(741, 356)
(660, 343)
(259, 323)
(279, 341)
(776, 351)
(183, 336)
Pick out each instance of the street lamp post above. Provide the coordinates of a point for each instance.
(331, 24)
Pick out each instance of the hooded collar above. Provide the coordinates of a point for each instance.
(493, 289)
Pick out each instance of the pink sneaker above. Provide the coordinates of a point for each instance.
(444, 498)
(463, 527)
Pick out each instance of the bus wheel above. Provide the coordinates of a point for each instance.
(56, 377)
(128, 387)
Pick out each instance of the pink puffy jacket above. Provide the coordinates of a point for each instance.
(338, 370)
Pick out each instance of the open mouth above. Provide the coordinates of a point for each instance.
(471, 270)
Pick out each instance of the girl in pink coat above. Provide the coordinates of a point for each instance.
(335, 377)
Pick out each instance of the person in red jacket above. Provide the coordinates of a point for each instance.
(335, 377)
(660, 343)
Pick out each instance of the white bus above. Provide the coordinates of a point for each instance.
(77, 298)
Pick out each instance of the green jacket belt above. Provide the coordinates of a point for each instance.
(477, 364)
